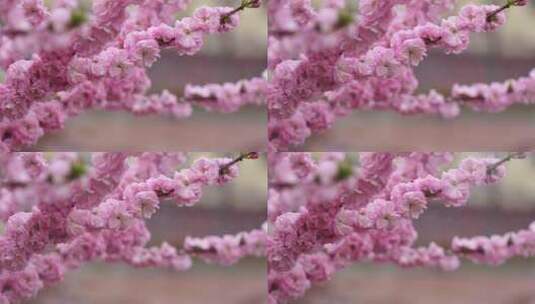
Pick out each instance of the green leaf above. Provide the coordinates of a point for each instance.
(345, 170)
(78, 170)
(345, 18)
(78, 17)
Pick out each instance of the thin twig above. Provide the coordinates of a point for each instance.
(223, 170)
(225, 18)
(493, 14)
(510, 156)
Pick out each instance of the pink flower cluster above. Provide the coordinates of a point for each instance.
(496, 249)
(62, 211)
(327, 212)
(325, 62)
(62, 59)
(228, 249)
(228, 97)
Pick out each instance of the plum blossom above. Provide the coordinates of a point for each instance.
(326, 61)
(96, 210)
(320, 224)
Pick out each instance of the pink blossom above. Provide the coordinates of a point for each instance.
(320, 224)
(84, 212)
(70, 59)
(365, 59)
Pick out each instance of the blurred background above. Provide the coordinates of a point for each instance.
(237, 206)
(506, 206)
(229, 57)
(508, 53)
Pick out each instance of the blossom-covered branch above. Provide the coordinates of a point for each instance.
(62, 59)
(328, 61)
(62, 211)
(328, 212)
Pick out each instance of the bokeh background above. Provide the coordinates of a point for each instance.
(228, 57)
(506, 206)
(237, 206)
(508, 53)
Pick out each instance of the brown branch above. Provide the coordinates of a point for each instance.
(510, 156)
(492, 15)
(226, 17)
(223, 170)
